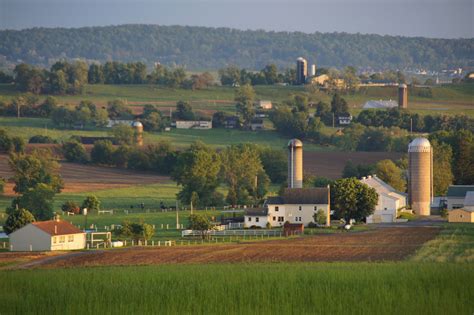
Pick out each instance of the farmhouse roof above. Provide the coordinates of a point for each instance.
(54, 227)
(382, 187)
(301, 196)
(257, 212)
(459, 190)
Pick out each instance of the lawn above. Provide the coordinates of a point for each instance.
(297, 288)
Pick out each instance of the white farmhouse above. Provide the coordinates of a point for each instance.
(390, 200)
(46, 236)
(297, 205)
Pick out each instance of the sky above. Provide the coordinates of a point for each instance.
(427, 18)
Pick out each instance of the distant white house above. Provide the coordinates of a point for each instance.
(113, 122)
(380, 104)
(47, 236)
(390, 200)
(193, 124)
(344, 119)
(265, 104)
(297, 205)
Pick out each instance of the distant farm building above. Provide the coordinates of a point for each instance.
(319, 80)
(256, 124)
(290, 229)
(466, 214)
(457, 195)
(296, 206)
(232, 122)
(390, 200)
(114, 122)
(344, 120)
(47, 236)
(191, 124)
(380, 104)
(265, 104)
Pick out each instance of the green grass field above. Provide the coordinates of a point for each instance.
(180, 138)
(300, 288)
(450, 99)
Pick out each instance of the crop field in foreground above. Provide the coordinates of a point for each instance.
(272, 288)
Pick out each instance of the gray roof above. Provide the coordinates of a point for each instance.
(301, 196)
(459, 190)
(256, 212)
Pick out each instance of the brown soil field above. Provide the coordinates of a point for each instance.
(382, 244)
(331, 164)
(78, 177)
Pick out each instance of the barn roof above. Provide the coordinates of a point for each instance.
(54, 227)
(301, 196)
(459, 190)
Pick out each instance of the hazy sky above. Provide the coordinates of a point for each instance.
(430, 18)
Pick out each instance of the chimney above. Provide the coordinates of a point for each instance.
(55, 229)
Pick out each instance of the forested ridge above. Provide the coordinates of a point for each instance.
(200, 48)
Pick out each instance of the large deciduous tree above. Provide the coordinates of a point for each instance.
(197, 170)
(353, 199)
(17, 219)
(390, 173)
(245, 96)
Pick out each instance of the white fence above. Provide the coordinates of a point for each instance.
(234, 233)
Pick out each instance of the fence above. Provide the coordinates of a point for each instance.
(261, 232)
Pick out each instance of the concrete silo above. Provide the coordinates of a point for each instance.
(420, 176)
(138, 129)
(295, 163)
(301, 70)
(402, 96)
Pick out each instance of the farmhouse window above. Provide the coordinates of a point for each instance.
(315, 208)
(70, 238)
(250, 219)
(299, 208)
(62, 239)
(257, 219)
(54, 240)
(280, 219)
(274, 218)
(276, 208)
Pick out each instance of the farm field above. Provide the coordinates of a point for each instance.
(305, 288)
(452, 99)
(262, 287)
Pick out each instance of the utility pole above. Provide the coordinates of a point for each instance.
(411, 125)
(177, 216)
(333, 120)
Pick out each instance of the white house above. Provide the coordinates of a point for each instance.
(265, 104)
(390, 200)
(46, 236)
(297, 205)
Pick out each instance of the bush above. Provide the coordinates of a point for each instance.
(407, 215)
(444, 213)
(92, 203)
(70, 206)
(18, 219)
(41, 139)
(74, 152)
(102, 152)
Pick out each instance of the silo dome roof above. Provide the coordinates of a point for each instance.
(137, 124)
(419, 145)
(403, 86)
(295, 143)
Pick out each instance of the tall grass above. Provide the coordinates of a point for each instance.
(342, 288)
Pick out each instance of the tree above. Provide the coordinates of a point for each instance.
(184, 111)
(102, 152)
(18, 219)
(245, 96)
(30, 170)
(275, 164)
(353, 199)
(201, 223)
(243, 172)
(197, 170)
(123, 134)
(101, 117)
(74, 151)
(357, 170)
(2, 185)
(70, 206)
(38, 200)
(92, 203)
(339, 105)
(95, 74)
(442, 167)
(351, 79)
(390, 173)
(136, 231)
(117, 109)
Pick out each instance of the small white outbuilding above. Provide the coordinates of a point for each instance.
(47, 236)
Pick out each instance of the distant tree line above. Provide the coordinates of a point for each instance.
(215, 48)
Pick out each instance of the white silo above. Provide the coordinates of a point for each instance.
(312, 71)
(138, 129)
(420, 176)
(295, 163)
